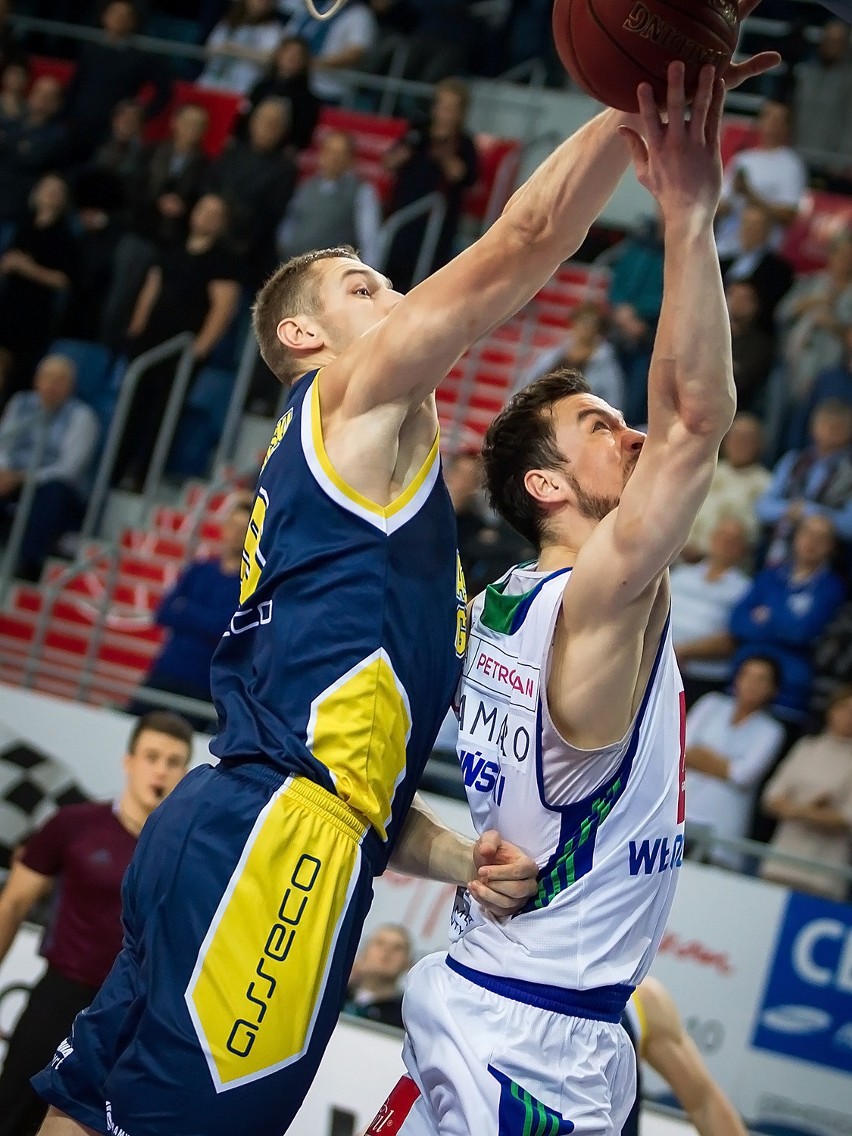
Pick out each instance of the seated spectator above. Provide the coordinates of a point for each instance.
(833, 658)
(13, 92)
(30, 146)
(813, 317)
(337, 44)
(170, 178)
(241, 45)
(191, 287)
(120, 155)
(823, 95)
(35, 272)
(786, 609)
(375, 990)
(771, 174)
(752, 345)
(732, 742)
(814, 481)
(289, 78)
(755, 262)
(439, 39)
(834, 384)
(108, 71)
(255, 178)
(636, 283)
(99, 198)
(335, 205)
(738, 481)
(810, 796)
(587, 349)
(703, 597)
(463, 478)
(72, 435)
(197, 611)
(440, 157)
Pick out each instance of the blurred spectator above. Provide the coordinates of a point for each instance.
(396, 21)
(434, 40)
(256, 178)
(738, 482)
(375, 984)
(240, 47)
(813, 317)
(170, 177)
(636, 285)
(463, 478)
(814, 481)
(772, 175)
(191, 287)
(335, 205)
(13, 91)
(587, 349)
(787, 608)
(197, 611)
(30, 146)
(703, 596)
(79, 856)
(99, 198)
(834, 384)
(810, 795)
(833, 658)
(121, 154)
(289, 78)
(732, 742)
(108, 71)
(71, 431)
(823, 95)
(441, 157)
(755, 262)
(35, 272)
(751, 344)
(336, 44)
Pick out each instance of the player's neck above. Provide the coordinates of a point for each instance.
(130, 815)
(554, 556)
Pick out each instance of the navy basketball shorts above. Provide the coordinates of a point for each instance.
(243, 907)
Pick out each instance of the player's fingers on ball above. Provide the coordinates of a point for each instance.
(701, 101)
(676, 97)
(651, 123)
(713, 126)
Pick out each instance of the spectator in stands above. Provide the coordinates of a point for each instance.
(833, 658)
(191, 287)
(732, 741)
(757, 264)
(375, 984)
(289, 78)
(121, 154)
(585, 348)
(463, 477)
(108, 71)
(440, 156)
(810, 795)
(80, 856)
(739, 481)
(787, 608)
(823, 95)
(636, 285)
(170, 177)
(814, 481)
(834, 384)
(196, 612)
(340, 43)
(771, 174)
(813, 317)
(70, 432)
(334, 205)
(703, 597)
(35, 272)
(752, 345)
(430, 41)
(30, 146)
(99, 198)
(13, 92)
(241, 46)
(256, 178)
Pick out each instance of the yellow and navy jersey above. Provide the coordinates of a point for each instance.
(342, 657)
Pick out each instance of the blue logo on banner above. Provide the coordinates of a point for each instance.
(806, 1010)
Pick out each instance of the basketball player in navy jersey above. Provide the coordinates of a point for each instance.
(245, 902)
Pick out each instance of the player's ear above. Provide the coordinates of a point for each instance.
(300, 334)
(544, 486)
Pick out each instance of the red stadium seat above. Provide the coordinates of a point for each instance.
(737, 134)
(222, 106)
(61, 69)
(372, 134)
(821, 218)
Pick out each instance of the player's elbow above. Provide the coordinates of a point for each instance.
(524, 227)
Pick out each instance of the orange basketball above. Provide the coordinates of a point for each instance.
(609, 47)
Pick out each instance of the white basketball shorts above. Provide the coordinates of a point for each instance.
(483, 1063)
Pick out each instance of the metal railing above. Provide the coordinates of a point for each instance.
(24, 504)
(242, 382)
(434, 207)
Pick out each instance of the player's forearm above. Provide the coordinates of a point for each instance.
(11, 918)
(691, 378)
(565, 195)
(716, 1116)
(428, 848)
(705, 760)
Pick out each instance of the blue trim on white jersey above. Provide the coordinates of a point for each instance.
(525, 605)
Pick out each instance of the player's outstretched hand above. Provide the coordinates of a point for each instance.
(506, 876)
(737, 73)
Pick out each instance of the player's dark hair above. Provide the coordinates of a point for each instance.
(767, 661)
(164, 722)
(290, 291)
(522, 437)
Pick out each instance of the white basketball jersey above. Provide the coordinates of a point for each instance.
(604, 826)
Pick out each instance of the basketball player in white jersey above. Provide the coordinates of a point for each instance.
(571, 713)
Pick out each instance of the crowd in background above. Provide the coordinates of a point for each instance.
(109, 238)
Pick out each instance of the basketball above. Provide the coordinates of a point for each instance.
(609, 47)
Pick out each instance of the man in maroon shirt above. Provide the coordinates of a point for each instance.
(81, 853)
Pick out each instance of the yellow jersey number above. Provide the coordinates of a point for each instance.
(253, 561)
(461, 610)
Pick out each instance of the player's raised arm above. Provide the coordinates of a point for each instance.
(691, 396)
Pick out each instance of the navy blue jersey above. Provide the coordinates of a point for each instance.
(345, 651)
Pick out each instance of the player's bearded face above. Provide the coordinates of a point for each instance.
(592, 505)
